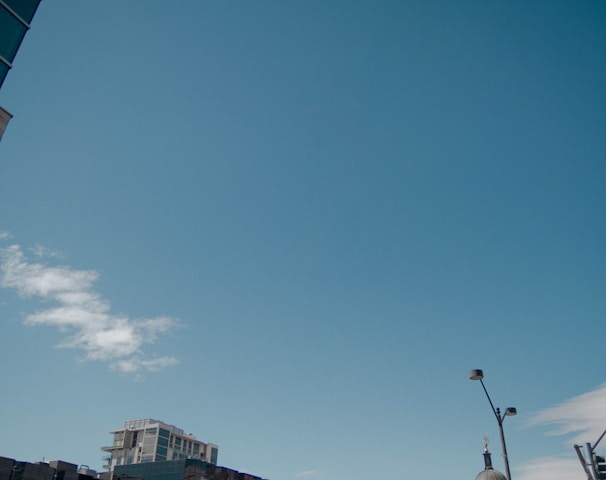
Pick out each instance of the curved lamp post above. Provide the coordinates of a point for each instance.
(509, 412)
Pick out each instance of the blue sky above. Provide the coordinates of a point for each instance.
(292, 228)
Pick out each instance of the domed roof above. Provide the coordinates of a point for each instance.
(490, 474)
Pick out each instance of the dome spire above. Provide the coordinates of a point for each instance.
(489, 473)
(487, 457)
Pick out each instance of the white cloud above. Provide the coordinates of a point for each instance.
(582, 416)
(5, 235)
(553, 468)
(83, 314)
(36, 279)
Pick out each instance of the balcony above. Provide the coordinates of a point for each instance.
(116, 446)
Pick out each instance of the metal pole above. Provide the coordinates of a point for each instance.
(494, 410)
(598, 441)
(594, 467)
(498, 412)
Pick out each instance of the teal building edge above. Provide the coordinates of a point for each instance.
(15, 20)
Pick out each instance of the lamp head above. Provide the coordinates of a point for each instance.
(511, 411)
(476, 374)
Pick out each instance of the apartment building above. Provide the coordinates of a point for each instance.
(148, 440)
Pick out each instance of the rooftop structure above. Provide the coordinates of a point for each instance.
(11, 469)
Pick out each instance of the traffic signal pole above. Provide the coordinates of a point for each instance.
(597, 463)
(583, 462)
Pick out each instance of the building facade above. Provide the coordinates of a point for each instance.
(186, 469)
(189, 469)
(148, 440)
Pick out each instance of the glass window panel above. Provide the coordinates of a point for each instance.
(11, 34)
(24, 8)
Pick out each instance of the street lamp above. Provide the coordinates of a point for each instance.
(509, 412)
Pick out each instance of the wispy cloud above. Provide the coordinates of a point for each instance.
(583, 415)
(584, 418)
(41, 251)
(306, 474)
(82, 313)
